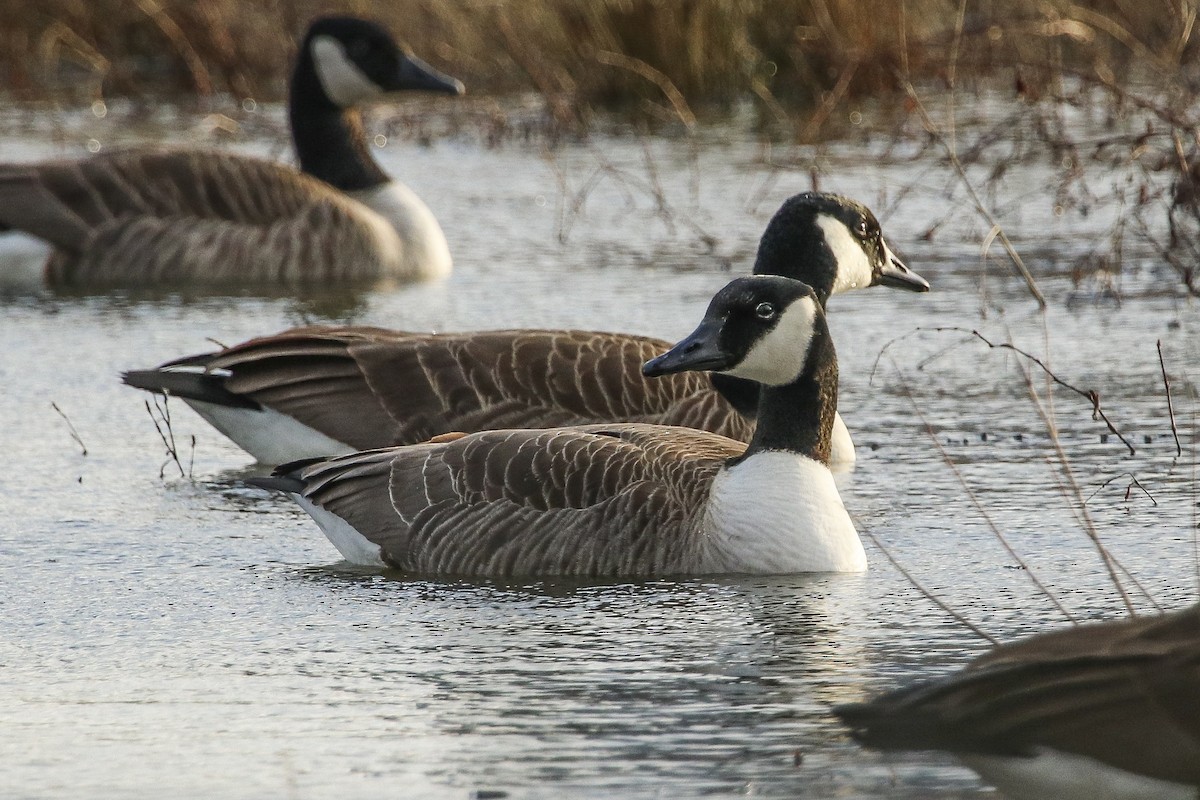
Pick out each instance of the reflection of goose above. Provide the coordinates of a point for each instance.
(1102, 711)
(328, 391)
(621, 499)
(185, 217)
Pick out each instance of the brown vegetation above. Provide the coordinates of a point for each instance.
(786, 55)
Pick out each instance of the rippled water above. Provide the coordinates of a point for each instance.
(185, 636)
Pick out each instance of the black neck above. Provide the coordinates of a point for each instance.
(798, 417)
(784, 251)
(778, 254)
(330, 142)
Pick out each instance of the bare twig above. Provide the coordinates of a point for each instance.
(1111, 564)
(1133, 481)
(1014, 257)
(1091, 395)
(70, 428)
(167, 437)
(978, 505)
(657, 77)
(1170, 405)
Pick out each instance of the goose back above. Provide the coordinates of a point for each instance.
(585, 501)
(405, 388)
(194, 217)
(198, 218)
(1106, 705)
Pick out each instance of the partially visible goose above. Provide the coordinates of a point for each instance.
(154, 218)
(322, 391)
(622, 499)
(1107, 711)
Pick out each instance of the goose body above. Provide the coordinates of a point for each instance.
(1106, 711)
(621, 499)
(182, 217)
(357, 388)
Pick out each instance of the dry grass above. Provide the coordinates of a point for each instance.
(789, 56)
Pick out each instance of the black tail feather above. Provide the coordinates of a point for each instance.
(200, 386)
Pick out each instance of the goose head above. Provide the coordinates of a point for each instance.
(759, 328)
(355, 61)
(832, 243)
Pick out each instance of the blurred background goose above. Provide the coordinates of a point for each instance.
(1107, 711)
(323, 391)
(622, 499)
(155, 218)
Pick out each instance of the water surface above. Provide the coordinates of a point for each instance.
(181, 635)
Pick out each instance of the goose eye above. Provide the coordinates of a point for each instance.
(764, 311)
(359, 48)
(861, 230)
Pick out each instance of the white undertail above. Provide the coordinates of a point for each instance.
(1067, 776)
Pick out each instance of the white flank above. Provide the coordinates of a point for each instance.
(1066, 776)
(271, 437)
(841, 446)
(353, 546)
(778, 357)
(421, 252)
(343, 82)
(778, 513)
(853, 266)
(22, 261)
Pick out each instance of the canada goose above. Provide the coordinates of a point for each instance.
(1107, 711)
(322, 391)
(622, 499)
(155, 218)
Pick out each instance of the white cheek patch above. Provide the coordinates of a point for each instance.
(853, 266)
(778, 357)
(343, 82)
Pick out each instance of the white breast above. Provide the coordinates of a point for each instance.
(1066, 776)
(776, 513)
(424, 253)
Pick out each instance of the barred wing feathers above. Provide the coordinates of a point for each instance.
(583, 501)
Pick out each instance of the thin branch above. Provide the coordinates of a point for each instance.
(1170, 405)
(1014, 257)
(1089, 526)
(1133, 481)
(1091, 395)
(168, 437)
(962, 481)
(70, 428)
(655, 76)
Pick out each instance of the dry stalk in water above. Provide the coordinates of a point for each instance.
(928, 595)
(962, 481)
(1170, 405)
(168, 437)
(996, 230)
(70, 428)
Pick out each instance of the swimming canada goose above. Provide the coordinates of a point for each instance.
(622, 499)
(155, 218)
(1107, 711)
(321, 391)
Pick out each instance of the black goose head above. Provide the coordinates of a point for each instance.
(759, 328)
(345, 61)
(833, 244)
